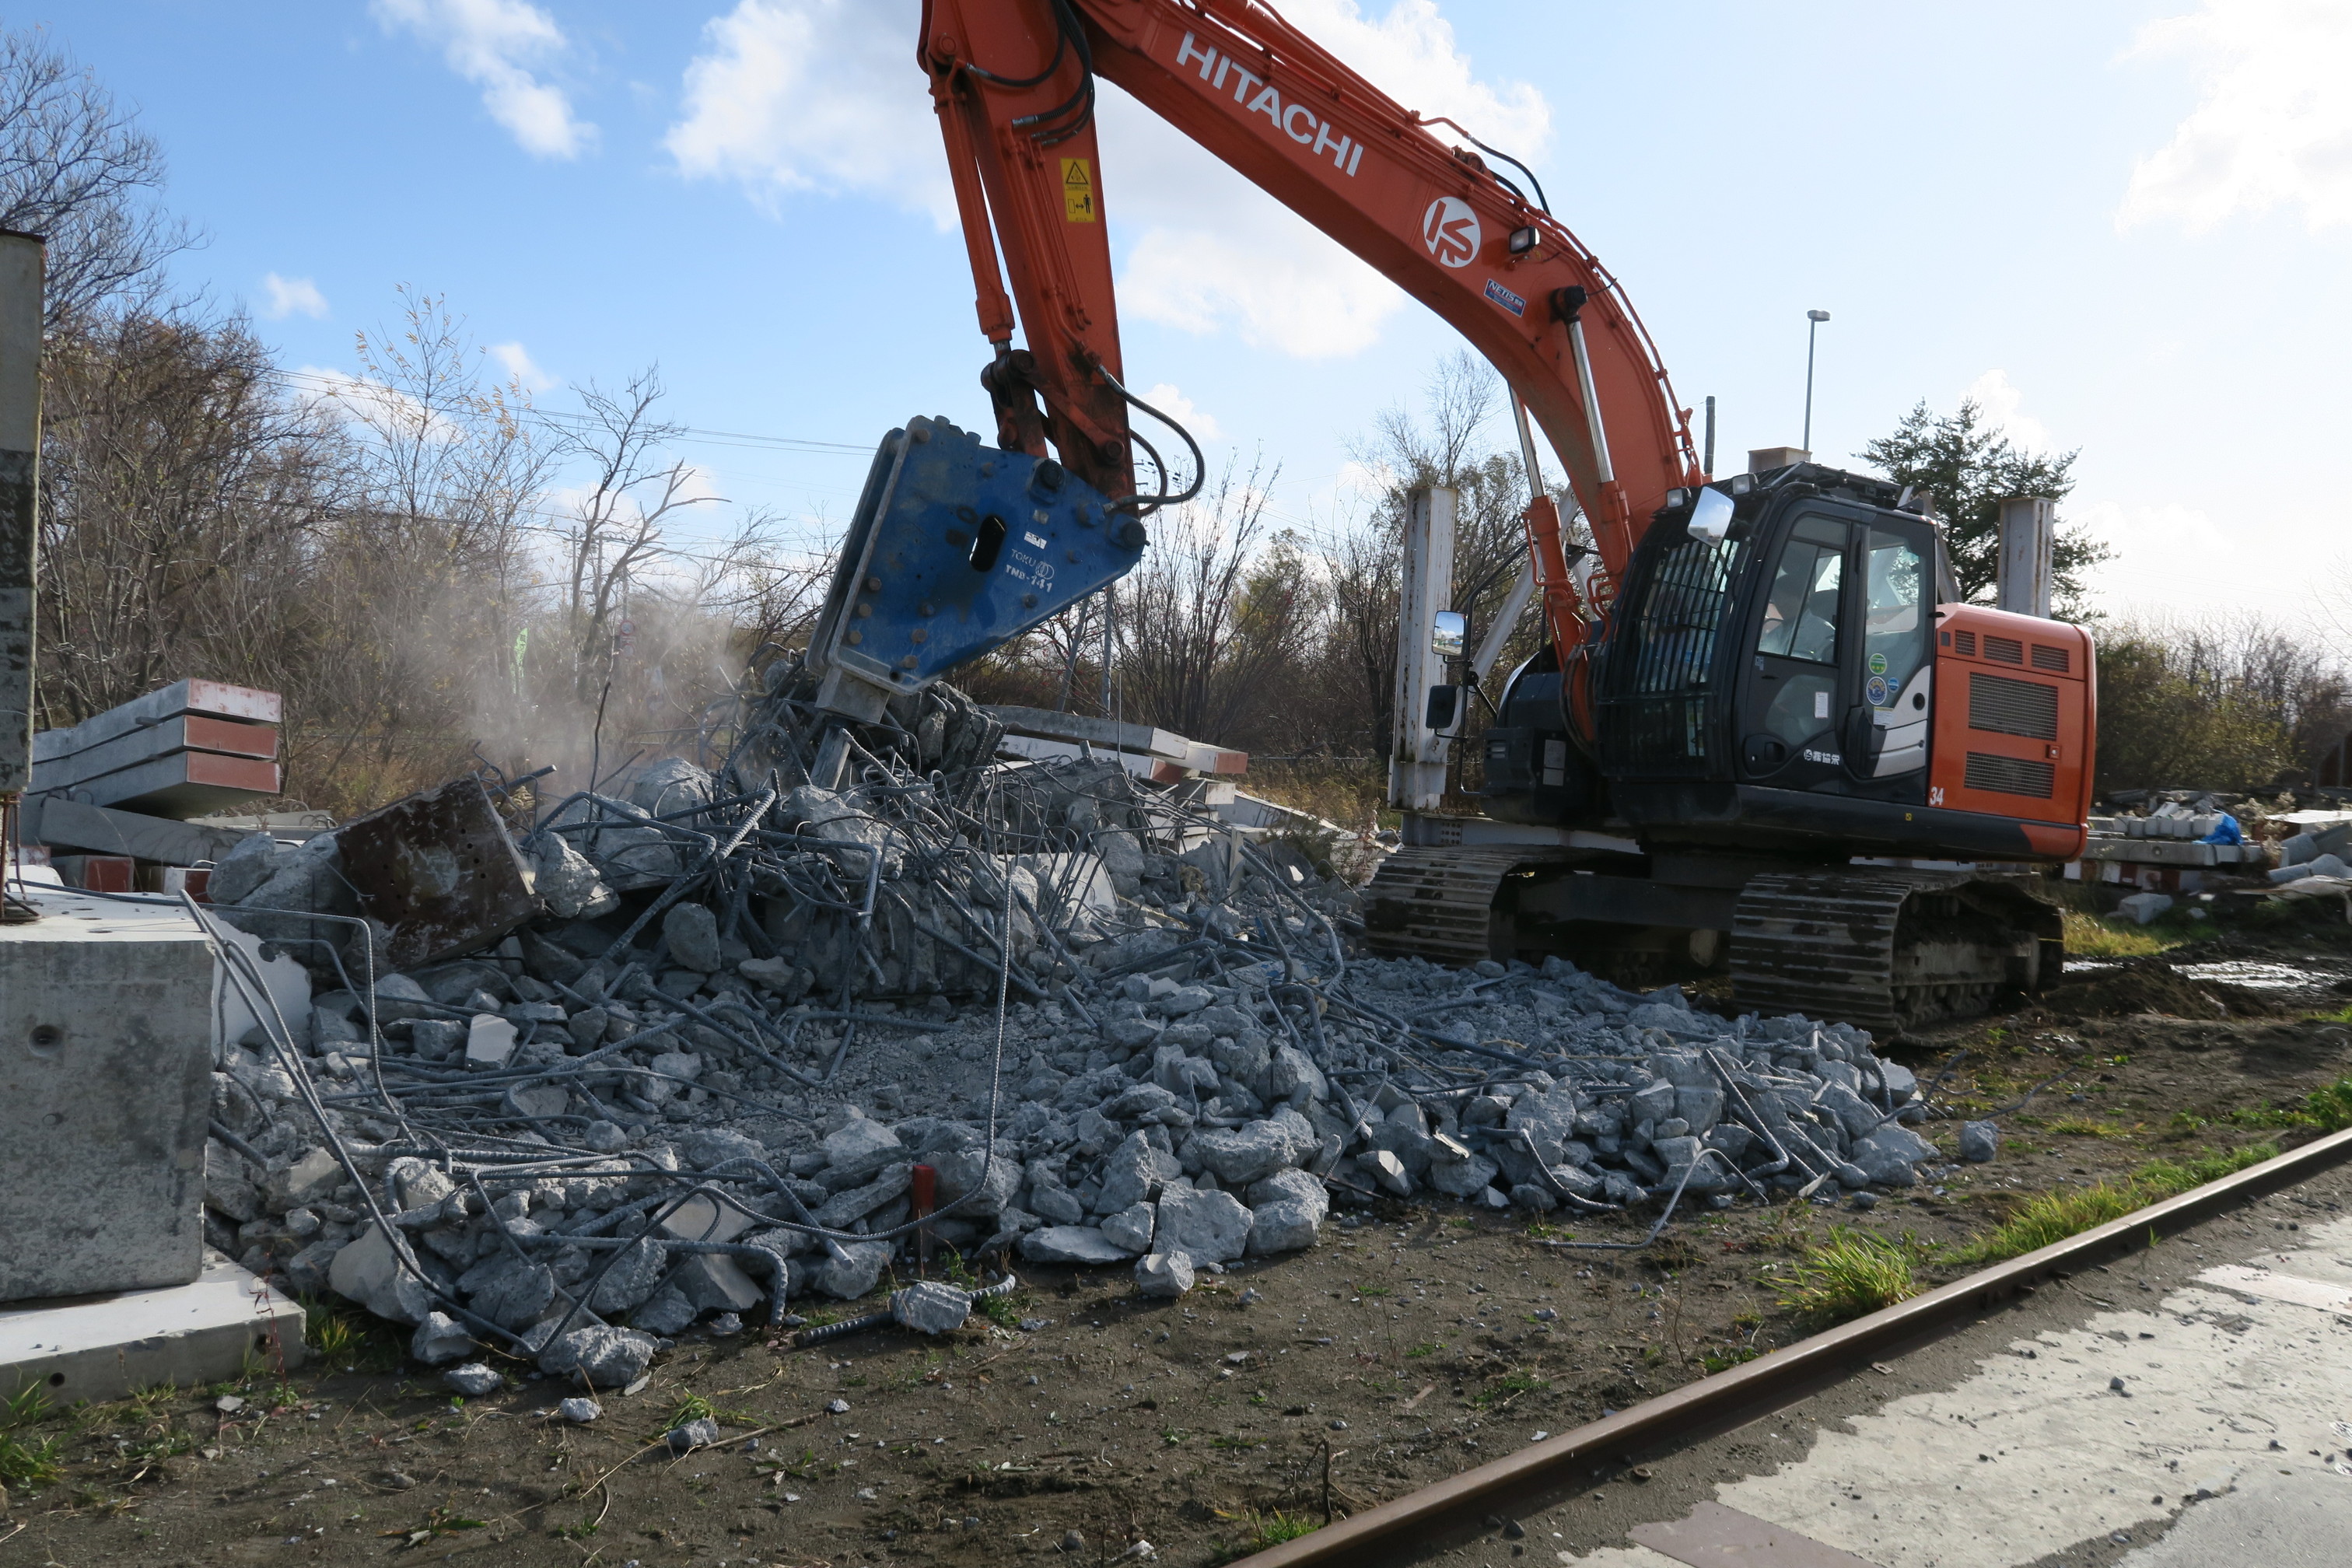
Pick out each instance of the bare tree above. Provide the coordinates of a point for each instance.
(77, 170)
(183, 498)
(619, 518)
(1211, 619)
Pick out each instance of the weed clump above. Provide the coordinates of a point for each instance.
(2053, 1217)
(1851, 1275)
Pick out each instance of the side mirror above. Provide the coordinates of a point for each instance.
(1444, 702)
(1710, 518)
(1446, 631)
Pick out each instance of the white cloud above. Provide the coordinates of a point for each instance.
(292, 297)
(491, 42)
(824, 96)
(2274, 125)
(1166, 398)
(2150, 543)
(814, 95)
(518, 365)
(2003, 406)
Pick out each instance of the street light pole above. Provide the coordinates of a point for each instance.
(1814, 320)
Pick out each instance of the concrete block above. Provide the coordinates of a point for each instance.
(105, 1060)
(101, 1347)
(489, 1042)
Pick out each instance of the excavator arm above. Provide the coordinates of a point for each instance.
(1014, 82)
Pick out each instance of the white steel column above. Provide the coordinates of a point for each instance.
(2029, 529)
(1416, 753)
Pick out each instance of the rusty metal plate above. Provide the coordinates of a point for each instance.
(438, 871)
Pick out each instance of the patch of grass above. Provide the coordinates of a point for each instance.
(2052, 1217)
(25, 1460)
(2088, 936)
(1277, 1527)
(1724, 1361)
(1000, 1311)
(1507, 1387)
(28, 1462)
(2161, 1179)
(1428, 1348)
(351, 1339)
(2085, 1127)
(2055, 1215)
(1850, 1275)
(2330, 1108)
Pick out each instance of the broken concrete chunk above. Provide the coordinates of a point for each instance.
(1887, 1155)
(692, 932)
(1387, 1171)
(1072, 1244)
(1980, 1140)
(1211, 1227)
(666, 1313)
(1163, 1275)
(489, 1041)
(1130, 1228)
(439, 1340)
(568, 882)
(473, 1380)
(630, 1279)
(1247, 1154)
(858, 1149)
(848, 1278)
(368, 1272)
(930, 1307)
(1132, 1172)
(604, 1357)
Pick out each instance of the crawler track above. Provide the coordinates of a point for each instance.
(1887, 949)
(1439, 904)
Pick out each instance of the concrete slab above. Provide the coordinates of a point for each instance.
(103, 1346)
(71, 824)
(106, 1027)
(183, 784)
(185, 732)
(214, 697)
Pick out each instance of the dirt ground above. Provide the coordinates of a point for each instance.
(1412, 1343)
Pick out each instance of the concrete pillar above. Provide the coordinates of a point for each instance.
(2028, 532)
(20, 446)
(1416, 753)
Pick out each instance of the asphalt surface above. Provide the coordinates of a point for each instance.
(2189, 1406)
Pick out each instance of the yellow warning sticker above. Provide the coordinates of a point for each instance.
(1077, 191)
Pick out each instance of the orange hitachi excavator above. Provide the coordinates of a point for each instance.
(1759, 733)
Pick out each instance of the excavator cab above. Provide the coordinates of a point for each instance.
(1774, 683)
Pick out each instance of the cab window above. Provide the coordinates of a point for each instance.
(1800, 616)
(1894, 641)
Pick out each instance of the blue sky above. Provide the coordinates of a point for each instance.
(2123, 225)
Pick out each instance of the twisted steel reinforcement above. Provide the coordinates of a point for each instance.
(1423, 1523)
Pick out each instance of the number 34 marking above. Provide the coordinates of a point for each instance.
(1936, 795)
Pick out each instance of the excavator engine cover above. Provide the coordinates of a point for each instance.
(1535, 772)
(956, 548)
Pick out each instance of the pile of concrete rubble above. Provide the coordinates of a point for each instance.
(757, 1040)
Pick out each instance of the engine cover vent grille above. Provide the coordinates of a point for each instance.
(2010, 775)
(2006, 707)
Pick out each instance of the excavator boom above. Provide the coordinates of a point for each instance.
(1742, 686)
